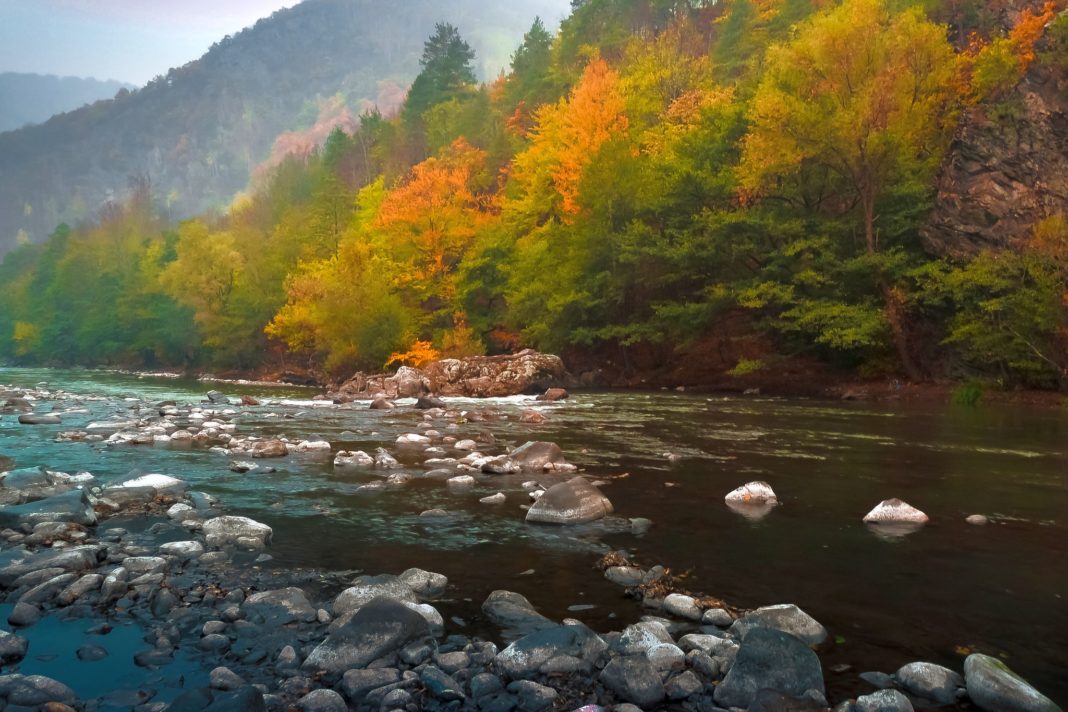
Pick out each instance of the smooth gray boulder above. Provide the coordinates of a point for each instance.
(18, 561)
(355, 684)
(634, 679)
(537, 456)
(930, 681)
(380, 627)
(514, 613)
(279, 607)
(770, 659)
(34, 690)
(525, 657)
(237, 530)
(883, 701)
(573, 502)
(366, 588)
(785, 617)
(73, 506)
(39, 419)
(12, 648)
(993, 687)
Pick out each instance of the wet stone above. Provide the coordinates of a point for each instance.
(91, 653)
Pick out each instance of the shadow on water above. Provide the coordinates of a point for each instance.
(930, 595)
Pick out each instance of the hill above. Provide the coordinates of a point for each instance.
(196, 134)
(32, 98)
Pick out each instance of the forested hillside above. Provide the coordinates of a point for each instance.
(33, 98)
(197, 134)
(757, 176)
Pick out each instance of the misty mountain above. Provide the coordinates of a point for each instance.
(197, 134)
(32, 98)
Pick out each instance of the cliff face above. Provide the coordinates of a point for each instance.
(1004, 172)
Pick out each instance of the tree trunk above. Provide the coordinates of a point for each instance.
(892, 300)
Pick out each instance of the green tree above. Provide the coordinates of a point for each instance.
(446, 69)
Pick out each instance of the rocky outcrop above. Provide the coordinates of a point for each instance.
(1001, 177)
(527, 372)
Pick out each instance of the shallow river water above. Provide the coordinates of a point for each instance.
(933, 595)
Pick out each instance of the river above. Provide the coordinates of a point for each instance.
(933, 595)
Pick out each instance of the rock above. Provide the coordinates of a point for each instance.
(717, 617)
(532, 417)
(532, 696)
(752, 493)
(12, 648)
(322, 701)
(514, 612)
(883, 701)
(182, 549)
(225, 679)
(461, 482)
(160, 483)
(930, 681)
(639, 638)
(27, 477)
(878, 680)
(39, 419)
(355, 458)
(382, 403)
(248, 400)
(425, 584)
(525, 657)
(355, 684)
(140, 565)
(73, 506)
(682, 606)
(429, 403)
(247, 699)
(573, 502)
(485, 684)
(770, 659)
(895, 511)
(242, 531)
(367, 588)
(24, 615)
(16, 562)
(624, 575)
(34, 691)
(494, 376)
(91, 653)
(993, 687)
(498, 498)
(380, 627)
(785, 617)
(218, 398)
(976, 519)
(554, 394)
(279, 607)
(440, 685)
(269, 448)
(635, 680)
(537, 456)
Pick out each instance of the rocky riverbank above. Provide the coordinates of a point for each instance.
(192, 574)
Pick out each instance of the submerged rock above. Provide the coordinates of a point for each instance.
(73, 506)
(512, 611)
(573, 502)
(993, 687)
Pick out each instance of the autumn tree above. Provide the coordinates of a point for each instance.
(865, 94)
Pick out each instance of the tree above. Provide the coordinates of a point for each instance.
(864, 93)
(447, 68)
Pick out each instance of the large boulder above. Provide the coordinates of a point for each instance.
(527, 656)
(367, 588)
(495, 376)
(634, 679)
(514, 613)
(279, 607)
(752, 493)
(241, 531)
(785, 617)
(269, 448)
(39, 419)
(993, 687)
(883, 701)
(773, 660)
(573, 502)
(537, 456)
(17, 562)
(73, 506)
(930, 681)
(34, 691)
(380, 627)
(408, 383)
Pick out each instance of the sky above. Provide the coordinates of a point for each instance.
(128, 40)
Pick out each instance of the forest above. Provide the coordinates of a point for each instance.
(656, 175)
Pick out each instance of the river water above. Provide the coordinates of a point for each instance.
(935, 594)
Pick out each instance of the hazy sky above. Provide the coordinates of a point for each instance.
(129, 40)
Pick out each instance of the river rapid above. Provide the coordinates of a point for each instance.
(936, 594)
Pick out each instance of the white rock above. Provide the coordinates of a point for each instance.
(182, 549)
(356, 458)
(498, 498)
(752, 493)
(237, 530)
(162, 483)
(181, 512)
(895, 511)
(312, 446)
(466, 445)
(461, 482)
(412, 440)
